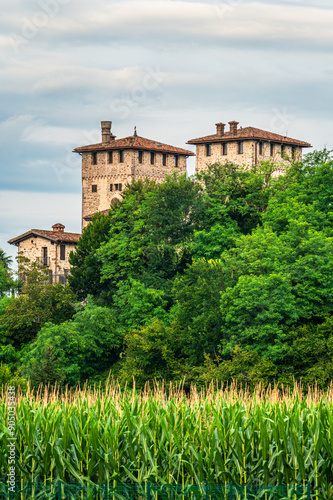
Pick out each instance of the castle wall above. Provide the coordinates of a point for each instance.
(103, 174)
(249, 156)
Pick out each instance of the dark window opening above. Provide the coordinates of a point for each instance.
(164, 159)
(208, 149)
(121, 156)
(94, 158)
(94, 188)
(62, 252)
(116, 187)
(283, 148)
(225, 148)
(260, 148)
(45, 259)
(110, 157)
(111, 187)
(140, 156)
(120, 187)
(176, 161)
(152, 158)
(272, 149)
(293, 151)
(241, 148)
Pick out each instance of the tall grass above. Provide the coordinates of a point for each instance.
(161, 434)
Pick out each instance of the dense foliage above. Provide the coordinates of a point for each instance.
(228, 276)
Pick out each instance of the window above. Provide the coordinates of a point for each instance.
(94, 158)
(62, 252)
(208, 150)
(225, 148)
(121, 156)
(293, 152)
(110, 157)
(283, 148)
(94, 188)
(120, 187)
(44, 256)
(176, 161)
(272, 148)
(140, 156)
(164, 159)
(116, 187)
(241, 148)
(260, 148)
(111, 187)
(152, 158)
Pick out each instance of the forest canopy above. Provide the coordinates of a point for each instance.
(226, 276)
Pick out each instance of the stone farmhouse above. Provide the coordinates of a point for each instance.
(49, 248)
(245, 147)
(111, 164)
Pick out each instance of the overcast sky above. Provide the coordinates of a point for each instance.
(171, 68)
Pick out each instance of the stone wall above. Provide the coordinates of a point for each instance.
(32, 249)
(247, 158)
(103, 174)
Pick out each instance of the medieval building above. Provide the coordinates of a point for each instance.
(111, 164)
(108, 166)
(245, 147)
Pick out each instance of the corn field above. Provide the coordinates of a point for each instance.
(218, 435)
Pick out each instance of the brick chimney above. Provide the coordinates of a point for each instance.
(220, 129)
(106, 132)
(233, 127)
(58, 228)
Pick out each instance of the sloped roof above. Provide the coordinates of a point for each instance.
(90, 216)
(134, 142)
(250, 133)
(56, 236)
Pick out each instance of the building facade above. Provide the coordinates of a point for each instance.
(245, 147)
(50, 249)
(108, 166)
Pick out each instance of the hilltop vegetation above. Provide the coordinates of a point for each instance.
(229, 276)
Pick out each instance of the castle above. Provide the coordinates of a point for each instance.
(111, 164)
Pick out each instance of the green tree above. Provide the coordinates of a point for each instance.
(38, 303)
(75, 350)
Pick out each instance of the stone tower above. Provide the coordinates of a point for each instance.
(108, 166)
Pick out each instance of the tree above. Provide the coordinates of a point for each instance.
(39, 303)
(75, 350)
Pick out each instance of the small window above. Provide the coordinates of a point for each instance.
(283, 148)
(176, 161)
(94, 188)
(164, 159)
(110, 156)
(45, 259)
(111, 187)
(272, 148)
(152, 158)
(293, 152)
(260, 148)
(208, 150)
(94, 158)
(62, 252)
(120, 187)
(240, 147)
(140, 156)
(225, 148)
(121, 156)
(116, 187)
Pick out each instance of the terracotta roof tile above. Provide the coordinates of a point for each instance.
(250, 133)
(90, 216)
(55, 236)
(134, 142)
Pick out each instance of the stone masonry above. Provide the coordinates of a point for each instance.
(245, 147)
(107, 167)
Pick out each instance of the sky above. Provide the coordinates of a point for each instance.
(171, 68)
